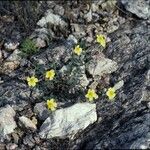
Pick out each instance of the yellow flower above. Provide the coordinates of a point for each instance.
(78, 50)
(91, 95)
(32, 81)
(101, 39)
(111, 93)
(51, 104)
(50, 74)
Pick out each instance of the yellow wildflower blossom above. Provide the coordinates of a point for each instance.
(50, 74)
(101, 39)
(32, 81)
(111, 93)
(51, 104)
(91, 95)
(78, 50)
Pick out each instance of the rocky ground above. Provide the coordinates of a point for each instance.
(25, 121)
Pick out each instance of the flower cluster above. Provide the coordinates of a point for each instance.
(33, 80)
(91, 93)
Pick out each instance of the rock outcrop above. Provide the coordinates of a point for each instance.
(126, 122)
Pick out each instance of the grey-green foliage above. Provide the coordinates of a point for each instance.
(28, 48)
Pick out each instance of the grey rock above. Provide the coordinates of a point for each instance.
(52, 19)
(11, 63)
(78, 30)
(88, 16)
(10, 46)
(7, 122)
(78, 73)
(14, 56)
(99, 65)
(94, 7)
(119, 85)
(68, 121)
(41, 111)
(5, 54)
(72, 39)
(59, 10)
(59, 52)
(27, 123)
(11, 146)
(126, 122)
(42, 36)
(141, 8)
(40, 43)
(29, 141)
(109, 6)
(16, 94)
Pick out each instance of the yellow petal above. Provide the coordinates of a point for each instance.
(90, 98)
(96, 96)
(31, 84)
(28, 79)
(36, 80)
(112, 96)
(87, 95)
(53, 109)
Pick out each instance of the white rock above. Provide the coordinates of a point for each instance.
(27, 123)
(7, 122)
(40, 43)
(14, 56)
(52, 19)
(72, 39)
(88, 16)
(101, 66)
(59, 10)
(84, 81)
(119, 85)
(94, 7)
(141, 8)
(68, 121)
(11, 45)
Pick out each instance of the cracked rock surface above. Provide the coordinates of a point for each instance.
(126, 122)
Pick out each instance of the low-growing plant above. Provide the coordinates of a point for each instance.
(57, 81)
(28, 48)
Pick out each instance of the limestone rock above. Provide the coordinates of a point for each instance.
(52, 19)
(100, 66)
(10, 46)
(41, 37)
(88, 16)
(7, 122)
(141, 8)
(27, 123)
(59, 10)
(126, 122)
(41, 111)
(68, 121)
